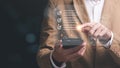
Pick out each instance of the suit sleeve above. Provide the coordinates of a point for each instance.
(48, 37)
(115, 48)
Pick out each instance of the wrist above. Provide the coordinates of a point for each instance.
(55, 63)
(109, 42)
(58, 63)
(55, 57)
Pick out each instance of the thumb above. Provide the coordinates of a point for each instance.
(58, 44)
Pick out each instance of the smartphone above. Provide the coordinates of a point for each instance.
(71, 42)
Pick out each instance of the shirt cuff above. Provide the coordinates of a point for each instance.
(54, 65)
(108, 44)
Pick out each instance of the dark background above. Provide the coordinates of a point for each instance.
(20, 21)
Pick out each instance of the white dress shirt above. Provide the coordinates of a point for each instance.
(94, 12)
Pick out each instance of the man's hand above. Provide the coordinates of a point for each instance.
(97, 30)
(64, 55)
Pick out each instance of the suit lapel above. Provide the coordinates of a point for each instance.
(80, 9)
(107, 12)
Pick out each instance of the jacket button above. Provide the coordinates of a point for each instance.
(59, 20)
(59, 27)
(59, 13)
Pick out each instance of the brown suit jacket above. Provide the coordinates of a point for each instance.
(102, 58)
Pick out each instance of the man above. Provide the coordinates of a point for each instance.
(97, 23)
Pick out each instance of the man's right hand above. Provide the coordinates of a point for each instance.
(64, 55)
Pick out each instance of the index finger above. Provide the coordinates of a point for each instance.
(87, 25)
